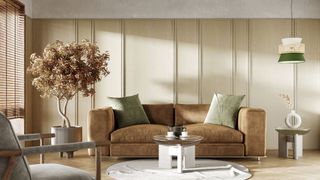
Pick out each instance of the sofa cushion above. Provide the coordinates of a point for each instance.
(128, 111)
(160, 113)
(223, 110)
(190, 113)
(142, 133)
(213, 133)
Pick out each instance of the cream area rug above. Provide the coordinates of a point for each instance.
(205, 169)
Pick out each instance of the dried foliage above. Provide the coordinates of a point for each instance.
(287, 100)
(65, 69)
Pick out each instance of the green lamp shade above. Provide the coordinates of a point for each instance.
(291, 58)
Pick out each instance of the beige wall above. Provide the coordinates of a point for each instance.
(186, 61)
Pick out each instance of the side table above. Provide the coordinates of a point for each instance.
(286, 135)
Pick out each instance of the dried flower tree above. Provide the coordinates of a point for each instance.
(66, 69)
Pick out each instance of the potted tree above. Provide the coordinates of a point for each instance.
(62, 71)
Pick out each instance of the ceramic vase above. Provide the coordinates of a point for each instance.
(293, 120)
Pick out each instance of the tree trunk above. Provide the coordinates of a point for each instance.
(63, 114)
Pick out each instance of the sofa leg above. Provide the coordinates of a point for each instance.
(258, 158)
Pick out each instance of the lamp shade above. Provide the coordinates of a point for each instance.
(291, 58)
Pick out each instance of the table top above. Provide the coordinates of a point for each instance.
(292, 131)
(189, 140)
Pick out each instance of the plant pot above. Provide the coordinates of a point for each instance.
(66, 135)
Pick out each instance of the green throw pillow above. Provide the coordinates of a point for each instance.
(223, 110)
(128, 111)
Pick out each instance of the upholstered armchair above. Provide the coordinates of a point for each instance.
(14, 166)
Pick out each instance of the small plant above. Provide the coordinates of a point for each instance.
(66, 69)
(287, 100)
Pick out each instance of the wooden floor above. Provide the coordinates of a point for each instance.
(271, 167)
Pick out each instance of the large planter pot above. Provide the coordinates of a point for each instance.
(66, 135)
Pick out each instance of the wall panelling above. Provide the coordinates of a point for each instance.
(187, 60)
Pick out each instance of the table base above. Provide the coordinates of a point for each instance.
(185, 156)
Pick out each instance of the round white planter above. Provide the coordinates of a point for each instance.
(66, 135)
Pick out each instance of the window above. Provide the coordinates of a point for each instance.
(12, 58)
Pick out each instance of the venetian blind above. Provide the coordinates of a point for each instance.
(12, 58)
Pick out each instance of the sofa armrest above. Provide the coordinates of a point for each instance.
(101, 123)
(252, 123)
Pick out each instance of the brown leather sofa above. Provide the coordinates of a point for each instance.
(247, 140)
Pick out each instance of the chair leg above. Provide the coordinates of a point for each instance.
(11, 164)
(70, 154)
(98, 163)
(41, 155)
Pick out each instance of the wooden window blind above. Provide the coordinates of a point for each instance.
(12, 20)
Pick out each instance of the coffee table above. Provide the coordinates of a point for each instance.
(183, 148)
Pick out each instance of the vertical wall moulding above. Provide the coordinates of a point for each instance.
(175, 63)
(295, 70)
(123, 58)
(234, 56)
(199, 29)
(249, 64)
(93, 40)
(76, 30)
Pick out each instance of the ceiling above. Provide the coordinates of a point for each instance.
(171, 8)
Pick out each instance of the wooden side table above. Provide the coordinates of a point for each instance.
(286, 135)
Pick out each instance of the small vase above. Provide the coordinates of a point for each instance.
(293, 120)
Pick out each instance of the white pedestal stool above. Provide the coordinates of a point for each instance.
(286, 135)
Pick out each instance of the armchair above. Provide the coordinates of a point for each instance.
(14, 166)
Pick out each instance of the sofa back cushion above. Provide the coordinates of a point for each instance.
(190, 113)
(160, 113)
(128, 111)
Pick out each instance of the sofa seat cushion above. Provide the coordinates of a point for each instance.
(213, 133)
(142, 133)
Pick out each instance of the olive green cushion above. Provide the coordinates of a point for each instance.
(223, 110)
(128, 111)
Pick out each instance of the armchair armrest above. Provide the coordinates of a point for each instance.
(9, 153)
(67, 147)
(252, 123)
(34, 137)
(57, 148)
(101, 123)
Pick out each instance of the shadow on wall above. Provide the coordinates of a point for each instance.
(188, 89)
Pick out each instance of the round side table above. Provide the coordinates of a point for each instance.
(286, 135)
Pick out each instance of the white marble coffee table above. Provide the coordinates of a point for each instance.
(183, 148)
